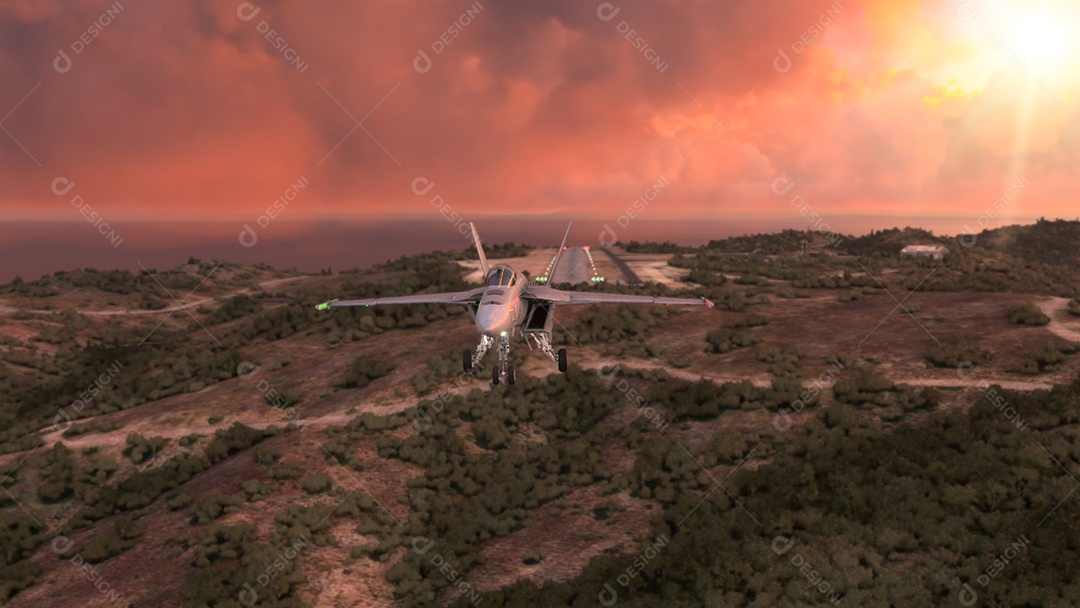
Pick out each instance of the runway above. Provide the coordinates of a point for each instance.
(574, 267)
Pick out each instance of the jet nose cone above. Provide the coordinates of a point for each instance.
(492, 320)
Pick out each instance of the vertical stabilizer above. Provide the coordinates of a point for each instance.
(558, 255)
(479, 250)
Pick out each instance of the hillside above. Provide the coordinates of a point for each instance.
(203, 436)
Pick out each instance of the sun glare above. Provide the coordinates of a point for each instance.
(1041, 40)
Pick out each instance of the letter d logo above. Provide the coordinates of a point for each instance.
(782, 63)
(422, 545)
(422, 185)
(967, 240)
(606, 12)
(608, 236)
(782, 421)
(781, 186)
(968, 596)
(246, 369)
(62, 421)
(248, 597)
(62, 63)
(248, 238)
(608, 596)
(62, 544)
(247, 11)
(61, 190)
(781, 544)
(422, 422)
(422, 63)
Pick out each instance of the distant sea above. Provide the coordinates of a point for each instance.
(31, 249)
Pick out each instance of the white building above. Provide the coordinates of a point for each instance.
(936, 252)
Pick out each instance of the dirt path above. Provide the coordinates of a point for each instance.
(1013, 385)
(1055, 305)
(675, 373)
(118, 438)
(139, 311)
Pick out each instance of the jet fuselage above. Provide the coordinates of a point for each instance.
(501, 308)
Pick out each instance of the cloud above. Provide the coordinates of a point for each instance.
(188, 109)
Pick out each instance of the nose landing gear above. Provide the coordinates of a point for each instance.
(504, 370)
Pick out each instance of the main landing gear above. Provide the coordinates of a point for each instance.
(504, 370)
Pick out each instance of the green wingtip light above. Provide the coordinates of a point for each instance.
(323, 306)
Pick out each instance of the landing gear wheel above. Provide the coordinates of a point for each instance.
(562, 360)
(466, 360)
(510, 374)
(495, 374)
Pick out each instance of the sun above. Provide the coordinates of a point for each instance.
(1041, 39)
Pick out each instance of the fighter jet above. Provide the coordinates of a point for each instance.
(509, 303)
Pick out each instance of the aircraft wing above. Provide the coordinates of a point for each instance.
(455, 297)
(559, 296)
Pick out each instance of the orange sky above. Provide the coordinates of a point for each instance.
(187, 109)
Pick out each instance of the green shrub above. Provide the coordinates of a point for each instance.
(16, 577)
(58, 473)
(612, 324)
(854, 295)
(180, 501)
(229, 561)
(956, 352)
(913, 399)
(750, 320)
(866, 387)
(724, 340)
(236, 438)
(257, 490)
(140, 449)
(363, 370)
(318, 483)
(782, 361)
(1047, 357)
(491, 433)
(108, 546)
(286, 470)
(264, 456)
(1026, 313)
(216, 505)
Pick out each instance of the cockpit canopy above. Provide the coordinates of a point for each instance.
(500, 276)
